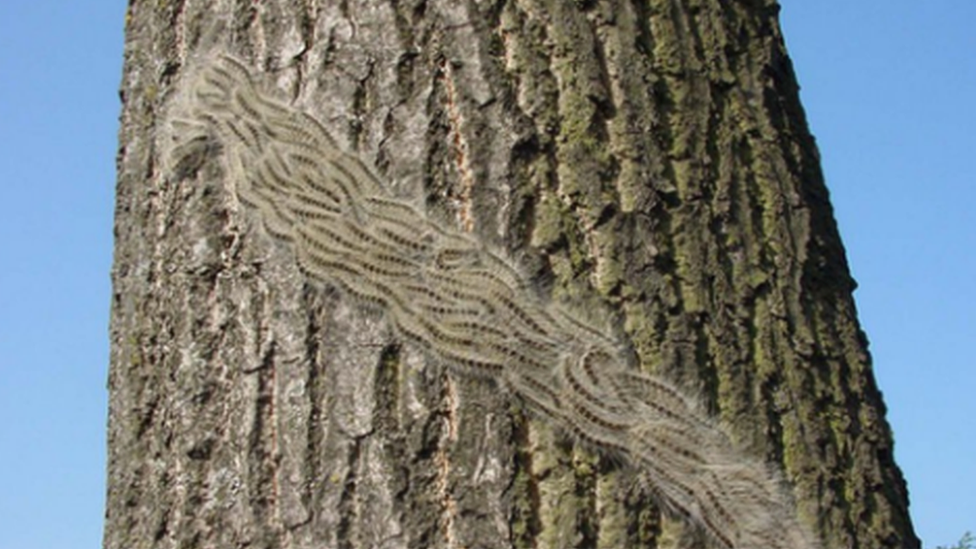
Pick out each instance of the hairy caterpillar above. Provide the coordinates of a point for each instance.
(467, 306)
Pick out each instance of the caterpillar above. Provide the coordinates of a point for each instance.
(469, 307)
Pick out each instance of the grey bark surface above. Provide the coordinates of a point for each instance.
(649, 165)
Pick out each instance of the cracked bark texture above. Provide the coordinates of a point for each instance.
(648, 162)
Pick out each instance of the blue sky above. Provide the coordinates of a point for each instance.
(888, 87)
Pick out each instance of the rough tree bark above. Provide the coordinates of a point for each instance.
(646, 161)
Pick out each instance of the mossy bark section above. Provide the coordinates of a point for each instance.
(649, 164)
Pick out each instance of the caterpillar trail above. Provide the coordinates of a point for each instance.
(465, 305)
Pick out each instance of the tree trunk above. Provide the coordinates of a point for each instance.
(647, 166)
